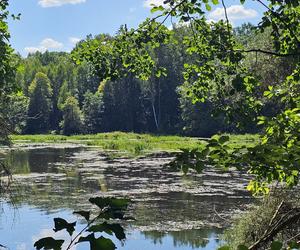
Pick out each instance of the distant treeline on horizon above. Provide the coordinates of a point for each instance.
(58, 96)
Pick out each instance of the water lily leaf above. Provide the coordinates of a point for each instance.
(48, 243)
(60, 224)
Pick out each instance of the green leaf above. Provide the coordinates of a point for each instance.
(48, 243)
(213, 143)
(185, 18)
(98, 244)
(158, 74)
(85, 214)
(60, 224)
(208, 7)
(206, 151)
(294, 245)
(157, 8)
(242, 247)
(185, 168)
(215, 2)
(242, 1)
(117, 229)
(223, 139)
(224, 248)
(238, 83)
(199, 167)
(276, 245)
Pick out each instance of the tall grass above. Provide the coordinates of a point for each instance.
(131, 143)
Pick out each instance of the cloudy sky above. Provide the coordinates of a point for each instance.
(57, 25)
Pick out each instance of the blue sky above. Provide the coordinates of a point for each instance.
(56, 25)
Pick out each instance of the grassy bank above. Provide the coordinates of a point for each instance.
(131, 143)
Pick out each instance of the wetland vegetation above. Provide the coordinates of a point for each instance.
(168, 133)
(132, 144)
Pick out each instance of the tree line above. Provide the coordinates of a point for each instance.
(55, 95)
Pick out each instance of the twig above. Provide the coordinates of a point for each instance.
(166, 15)
(2, 246)
(276, 213)
(291, 216)
(273, 53)
(294, 237)
(280, 18)
(7, 173)
(226, 16)
(86, 227)
(259, 241)
(220, 215)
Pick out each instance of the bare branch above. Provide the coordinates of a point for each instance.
(273, 53)
(166, 15)
(226, 16)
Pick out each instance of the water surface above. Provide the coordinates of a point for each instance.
(172, 211)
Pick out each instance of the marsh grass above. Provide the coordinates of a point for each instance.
(132, 144)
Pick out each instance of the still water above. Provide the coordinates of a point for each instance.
(172, 211)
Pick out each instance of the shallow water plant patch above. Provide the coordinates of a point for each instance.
(132, 144)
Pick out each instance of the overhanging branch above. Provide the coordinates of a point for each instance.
(273, 53)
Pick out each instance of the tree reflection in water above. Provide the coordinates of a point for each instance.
(191, 238)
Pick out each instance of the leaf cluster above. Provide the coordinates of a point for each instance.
(108, 209)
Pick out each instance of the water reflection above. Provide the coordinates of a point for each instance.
(62, 179)
(196, 239)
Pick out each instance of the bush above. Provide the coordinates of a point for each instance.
(261, 220)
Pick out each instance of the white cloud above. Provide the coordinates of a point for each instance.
(74, 40)
(150, 3)
(49, 43)
(234, 12)
(46, 44)
(57, 3)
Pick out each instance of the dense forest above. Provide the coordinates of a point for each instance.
(55, 95)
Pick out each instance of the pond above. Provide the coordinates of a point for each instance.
(172, 210)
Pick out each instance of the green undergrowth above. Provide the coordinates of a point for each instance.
(247, 228)
(132, 144)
